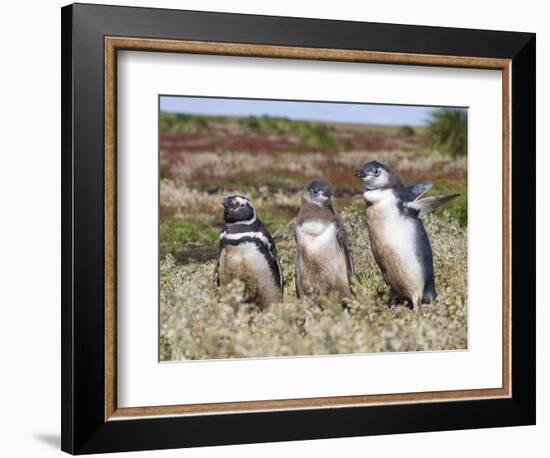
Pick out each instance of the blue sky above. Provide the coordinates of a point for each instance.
(309, 111)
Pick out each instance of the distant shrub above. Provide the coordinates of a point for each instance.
(317, 136)
(267, 124)
(177, 122)
(406, 131)
(251, 123)
(349, 145)
(448, 131)
(314, 135)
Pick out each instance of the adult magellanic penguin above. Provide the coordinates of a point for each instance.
(324, 265)
(399, 241)
(247, 252)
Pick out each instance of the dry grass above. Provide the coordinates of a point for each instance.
(200, 322)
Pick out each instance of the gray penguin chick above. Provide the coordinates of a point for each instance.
(324, 266)
(399, 241)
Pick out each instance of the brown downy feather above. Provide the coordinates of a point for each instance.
(309, 211)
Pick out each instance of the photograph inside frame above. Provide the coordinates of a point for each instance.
(294, 228)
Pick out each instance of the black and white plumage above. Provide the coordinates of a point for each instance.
(324, 265)
(247, 252)
(399, 241)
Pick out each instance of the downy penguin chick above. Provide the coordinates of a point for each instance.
(399, 241)
(247, 252)
(324, 265)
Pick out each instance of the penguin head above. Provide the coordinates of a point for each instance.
(318, 192)
(375, 175)
(238, 209)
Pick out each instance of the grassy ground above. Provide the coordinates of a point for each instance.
(204, 159)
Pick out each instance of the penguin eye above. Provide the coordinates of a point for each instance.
(376, 172)
(242, 205)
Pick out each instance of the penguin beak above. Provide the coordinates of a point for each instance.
(359, 173)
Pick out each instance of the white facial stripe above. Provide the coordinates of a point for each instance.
(254, 235)
(243, 201)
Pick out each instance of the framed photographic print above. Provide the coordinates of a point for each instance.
(281, 228)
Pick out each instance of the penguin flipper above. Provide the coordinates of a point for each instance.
(217, 268)
(272, 249)
(344, 245)
(429, 204)
(297, 277)
(217, 274)
(418, 190)
(272, 246)
(281, 284)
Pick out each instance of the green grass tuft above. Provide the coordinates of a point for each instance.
(457, 208)
(188, 240)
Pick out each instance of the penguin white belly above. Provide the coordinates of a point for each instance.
(393, 239)
(317, 236)
(322, 262)
(246, 263)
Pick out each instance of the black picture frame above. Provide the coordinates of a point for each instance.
(84, 428)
